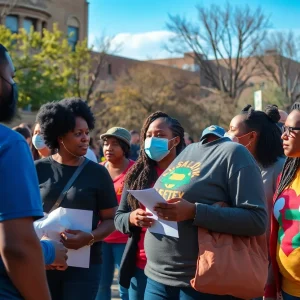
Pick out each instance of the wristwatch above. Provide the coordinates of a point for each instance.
(92, 241)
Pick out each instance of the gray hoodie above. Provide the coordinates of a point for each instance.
(204, 174)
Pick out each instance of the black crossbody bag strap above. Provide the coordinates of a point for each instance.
(68, 185)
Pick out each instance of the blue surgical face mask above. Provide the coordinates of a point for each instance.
(38, 142)
(157, 148)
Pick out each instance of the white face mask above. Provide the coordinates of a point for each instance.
(232, 137)
(38, 142)
(236, 139)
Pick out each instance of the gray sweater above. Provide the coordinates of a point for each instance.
(270, 176)
(204, 174)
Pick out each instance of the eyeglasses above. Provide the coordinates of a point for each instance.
(288, 130)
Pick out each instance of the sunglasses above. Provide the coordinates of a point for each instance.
(287, 130)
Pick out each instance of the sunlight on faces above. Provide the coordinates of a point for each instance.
(112, 149)
(237, 126)
(45, 152)
(160, 129)
(239, 129)
(77, 141)
(291, 143)
(37, 129)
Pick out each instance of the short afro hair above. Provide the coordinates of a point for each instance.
(58, 118)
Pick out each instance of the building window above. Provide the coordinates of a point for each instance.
(28, 23)
(11, 22)
(192, 67)
(109, 69)
(44, 25)
(73, 33)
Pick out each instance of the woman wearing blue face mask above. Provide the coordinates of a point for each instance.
(162, 140)
(39, 149)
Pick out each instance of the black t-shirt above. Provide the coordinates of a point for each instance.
(92, 190)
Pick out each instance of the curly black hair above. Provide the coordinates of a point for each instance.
(269, 145)
(58, 118)
(143, 173)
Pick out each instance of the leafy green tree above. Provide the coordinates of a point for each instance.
(46, 67)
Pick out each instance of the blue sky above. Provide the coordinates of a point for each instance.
(140, 25)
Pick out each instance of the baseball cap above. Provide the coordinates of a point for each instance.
(213, 129)
(119, 133)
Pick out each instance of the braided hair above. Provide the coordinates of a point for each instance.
(143, 174)
(290, 166)
(269, 144)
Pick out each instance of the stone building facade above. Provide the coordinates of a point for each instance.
(70, 15)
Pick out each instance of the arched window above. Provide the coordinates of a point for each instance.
(11, 22)
(28, 23)
(73, 31)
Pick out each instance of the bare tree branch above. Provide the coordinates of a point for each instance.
(104, 47)
(8, 6)
(229, 36)
(283, 64)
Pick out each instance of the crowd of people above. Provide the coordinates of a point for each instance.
(252, 169)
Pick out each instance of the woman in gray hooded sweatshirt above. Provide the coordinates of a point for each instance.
(214, 170)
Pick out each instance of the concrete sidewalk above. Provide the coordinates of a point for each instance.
(115, 288)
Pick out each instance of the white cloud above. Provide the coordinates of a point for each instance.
(147, 45)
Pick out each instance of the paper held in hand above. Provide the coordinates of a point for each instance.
(149, 198)
(66, 218)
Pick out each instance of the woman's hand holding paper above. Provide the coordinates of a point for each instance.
(176, 209)
(75, 239)
(141, 218)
